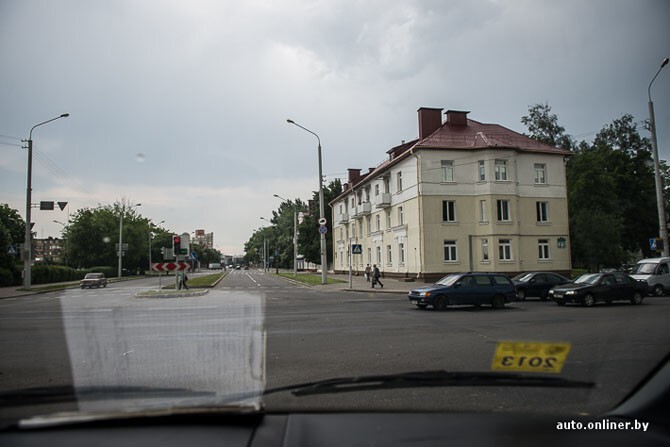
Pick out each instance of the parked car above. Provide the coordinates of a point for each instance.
(93, 280)
(537, 284)
(465, 288)
(590, 288)
(655, 272)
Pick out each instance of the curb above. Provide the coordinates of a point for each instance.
(198, 292)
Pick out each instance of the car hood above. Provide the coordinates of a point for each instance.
(572, 286)
(427, 288)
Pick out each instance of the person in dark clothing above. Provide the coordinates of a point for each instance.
(375, 276)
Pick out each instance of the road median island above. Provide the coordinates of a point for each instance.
(163, 293)
(309, 279)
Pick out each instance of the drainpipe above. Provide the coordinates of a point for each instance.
(419, 201)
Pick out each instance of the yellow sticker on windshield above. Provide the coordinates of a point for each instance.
(530, 356)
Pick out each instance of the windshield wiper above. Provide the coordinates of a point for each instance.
(438, 378)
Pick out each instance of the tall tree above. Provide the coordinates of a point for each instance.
(543, 126)
(309, 237)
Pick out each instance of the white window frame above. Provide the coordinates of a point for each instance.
(376, 189)
(485, 250)
(483, 211)
(401, 253)
(542, 212)
(501, 170)
(399, 181)
(450, 250)
(482, 171)
(540, 170)
(389, 255)
(378, 222)
(379, 254)
(388, 219)
(543, 249)
(505, 250)
(447, 170)
(503, 211)
(401, 216)
(450, 207)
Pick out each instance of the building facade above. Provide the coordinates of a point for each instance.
(464, 196)
(205, 240)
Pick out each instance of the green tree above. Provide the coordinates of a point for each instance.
(13, 222)
(309, 239)
(12, 235)
(543, 126)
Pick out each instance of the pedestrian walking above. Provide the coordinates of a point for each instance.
(368, 271)
(184, 281)
(375, 276)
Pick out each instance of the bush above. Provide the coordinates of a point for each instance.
(110, 272)
(6, 277)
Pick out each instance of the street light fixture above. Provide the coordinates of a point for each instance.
(662, 224)
(123, 210)
(265, 247)
(27, 249)
(322, 207)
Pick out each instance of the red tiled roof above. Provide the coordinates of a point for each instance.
(477, 135)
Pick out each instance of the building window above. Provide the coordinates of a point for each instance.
(482, 171)
(389, 255)
(353, 203)
(369, 255)
(483, 212)
(388, 219)
(399, 180)
(379, 255)
(368, 220)
(376, 189)
(341, 209)
(401, 253)
(447, 171)
(448, 211)
(542, 209)
(450, 253)
(485, 250)
(401, 216)
(503, 211)
(505, 249)
(543, 249)
(501, 170)
(360, 228)
(378, 221)
(540, 173)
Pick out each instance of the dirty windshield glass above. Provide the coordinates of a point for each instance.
(207, 205)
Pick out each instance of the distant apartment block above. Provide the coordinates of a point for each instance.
(205, 240)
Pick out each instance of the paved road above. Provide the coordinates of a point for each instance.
(320, 332)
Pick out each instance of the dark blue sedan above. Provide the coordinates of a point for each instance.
(465, 288)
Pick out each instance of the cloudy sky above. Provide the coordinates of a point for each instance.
(182, 105)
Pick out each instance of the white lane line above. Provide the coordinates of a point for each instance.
(257, 283)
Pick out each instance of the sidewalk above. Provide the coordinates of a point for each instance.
(359, 284)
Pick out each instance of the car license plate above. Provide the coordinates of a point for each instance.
(414, 301)
(558, 295)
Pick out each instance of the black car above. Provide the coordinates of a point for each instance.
(537, 284)
(590, 288)
(465, 288)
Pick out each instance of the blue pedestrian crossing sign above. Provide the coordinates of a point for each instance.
(356, 249)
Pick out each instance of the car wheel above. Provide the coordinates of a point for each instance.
(543, 296)
(521, 294)
(589, 300)
(440, 303)
(658, 290)
(422, 306)
(637, 298)
(498, 302)
(560, 302)
(83, 287)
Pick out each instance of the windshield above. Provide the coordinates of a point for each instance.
(588, 279)
(523, 277)
(204, 203)
(644, 268)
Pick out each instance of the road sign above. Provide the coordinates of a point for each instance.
(323, 230)
(323, 221)
(170, 266)
(356, 249)
(652, 244)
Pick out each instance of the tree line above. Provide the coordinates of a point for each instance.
(90, 240)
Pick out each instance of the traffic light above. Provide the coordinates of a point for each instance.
(176, 244)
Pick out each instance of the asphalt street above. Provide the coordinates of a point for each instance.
(282, 333)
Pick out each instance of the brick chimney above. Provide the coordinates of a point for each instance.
(457, 118)
(354, 174)
(429, 121)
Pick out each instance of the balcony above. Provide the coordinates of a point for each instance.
(342, 219)
(384, 200)
(364, 209)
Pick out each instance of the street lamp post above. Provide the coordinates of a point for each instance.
(123, 210)
(28, 243)
(268, 248)
(662, 224)
(322, 207)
